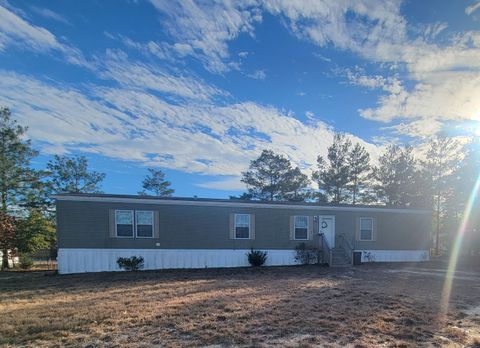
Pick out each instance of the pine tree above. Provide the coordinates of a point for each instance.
(17, 179)
(156, 184)
(271, 177)
(466, 181)
(396, 177)
(266, 175)
(296, 186)
(359, 166)
(441, 162)
(71, 174)
(333, 177)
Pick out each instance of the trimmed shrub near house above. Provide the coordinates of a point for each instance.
(25, 262)
(133, 263)
(257, 258)
(306, 255)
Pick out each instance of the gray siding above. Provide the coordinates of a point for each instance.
(86, 225)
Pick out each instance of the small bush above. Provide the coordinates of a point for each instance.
(306, 255)
(25, 262)
(257, 258)
(133, 263)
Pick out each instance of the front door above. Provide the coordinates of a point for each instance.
(327, 227)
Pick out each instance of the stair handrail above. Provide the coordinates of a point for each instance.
(326, 249)
(346, 246)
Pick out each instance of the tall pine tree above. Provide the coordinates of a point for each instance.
(271, 177)
(333, 177)
(465, 187)
(396, 176)
(359, 167)
(441, 162)
(17, 179)
(19, 184)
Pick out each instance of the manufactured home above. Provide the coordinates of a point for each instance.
(94, 230)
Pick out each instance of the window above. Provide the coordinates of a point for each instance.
(366, 229)
(144, 224)
(301, 227)
(124, 223)
(242, 226)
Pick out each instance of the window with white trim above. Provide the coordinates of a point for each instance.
(144, 224)
(242, 226)
(366, 229)
(124, 223)
(301, 227)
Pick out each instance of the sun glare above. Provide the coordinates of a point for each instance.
(452, 265)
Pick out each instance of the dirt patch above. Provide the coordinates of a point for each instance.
(388, 305)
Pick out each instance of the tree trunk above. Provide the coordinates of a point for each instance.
(4, 200)
(438, 227)
(5, 259)
(354, 191)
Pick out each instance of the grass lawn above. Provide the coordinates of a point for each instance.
(389, 305)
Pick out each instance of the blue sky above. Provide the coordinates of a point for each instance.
(199, 89)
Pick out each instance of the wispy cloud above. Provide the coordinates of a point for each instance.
(322, 57)
(472, 8)
(445, 78)
(145, 77)
(258, 75)
(157, 112)
(14, 29)
(448, 96)
(160, 50)
(49, 14)
(17, 32)
(374, 30)
(203, 30)
(132, 125)
(389, 84)
(431, 31)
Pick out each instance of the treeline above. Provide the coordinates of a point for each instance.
(442, 180)
(27, 216)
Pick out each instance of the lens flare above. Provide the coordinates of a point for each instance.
(457, 246)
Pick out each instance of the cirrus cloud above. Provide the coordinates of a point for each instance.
(137, 126)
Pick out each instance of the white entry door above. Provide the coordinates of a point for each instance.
(327, 227)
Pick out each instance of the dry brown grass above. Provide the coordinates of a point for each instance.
(288, 306)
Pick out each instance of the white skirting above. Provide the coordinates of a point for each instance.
(394, 255)
(104, 260)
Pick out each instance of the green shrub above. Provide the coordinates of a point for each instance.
(133, 263)
(257, 258)
(306, 255)
(25, 262)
